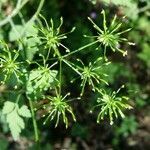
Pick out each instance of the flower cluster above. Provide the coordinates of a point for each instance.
(111, 105)
(110, 36)
(58, 107)
(51, 36)
(9, 65)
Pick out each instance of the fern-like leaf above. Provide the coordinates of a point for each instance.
(14, 118)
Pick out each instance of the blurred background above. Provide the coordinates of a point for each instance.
(131, 133)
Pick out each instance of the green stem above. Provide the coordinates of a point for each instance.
(71, 67)
(34, 121)
(21, 17)
(35, 15)
(18, 98)
(60, 75)
(38, 10)
(81, 48)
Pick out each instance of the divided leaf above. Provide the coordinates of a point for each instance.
(39, 81)
(14, 118)
(16, 33)
(8, 107)
(24, 111)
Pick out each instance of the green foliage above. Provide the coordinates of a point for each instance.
(128, 126)
(115, 71)
(129, 8)
(27, 34)
(145, 54)
(40, 62)
(4, 144)
(41, 80)
(15, 33)
(14, 118)
(119, 2)
(79, 131)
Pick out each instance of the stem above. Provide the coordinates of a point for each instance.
(60, 75)
(18, 98)
(35, 15)
(81, 48)
(33, 116)
(72, 67)
(38, 10)
(21, 17)
(105, 53)
(48, 54)
(34, 121)
(12, 91)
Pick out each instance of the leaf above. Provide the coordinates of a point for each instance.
(132, 11)
(30, 30)
(19, 31)
(16, 32)
(32, 47)
(129, 7)
(32, 40)
(8, 107)
(39, 81)
(14, 119)
(28, 33)
(24, 111)
(119, 2)
(3, 123)
(16, 124)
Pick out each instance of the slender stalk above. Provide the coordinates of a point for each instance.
(80, 49)
(72, 67)
(21, 17)
(60, 75)
(35, 14)
(34, 121)
(12, 91)
(38, 10)
(18, 98)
